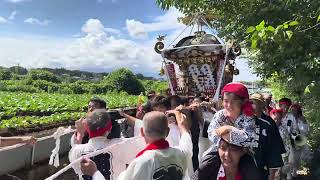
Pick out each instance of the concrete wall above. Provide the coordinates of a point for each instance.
(19, 156)
(14, 158)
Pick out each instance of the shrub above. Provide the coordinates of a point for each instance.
(124, 80)
(42, 75)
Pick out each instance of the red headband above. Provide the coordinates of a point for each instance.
(285, 103)
(99, 131)
(276, 111)
(241, 91)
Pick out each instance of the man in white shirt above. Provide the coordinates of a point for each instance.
(288, 119)
(161, 104)
(157, 160)
(289, 123)
(98, 125)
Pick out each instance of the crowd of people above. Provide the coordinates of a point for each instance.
(241, 137)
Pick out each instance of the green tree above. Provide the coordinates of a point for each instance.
(5, 74)
(18, 70)
(124, 80)
(46, 86)
(42, 75)
(80, 87)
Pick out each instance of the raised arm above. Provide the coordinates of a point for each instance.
(131, 119)
(185, 143)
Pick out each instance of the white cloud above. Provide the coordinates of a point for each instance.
(12, 15)
(94, 26)
(37, 21)
(113, 1)
(112, 31)
(3, 20)
(136, 29)
(166, 22)
(95, 51)
(17, 1)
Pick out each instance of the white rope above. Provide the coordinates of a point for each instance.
(32, 155)
(61, 171)
(54, 158)
(191, 30)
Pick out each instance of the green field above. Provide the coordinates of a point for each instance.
(32, 109)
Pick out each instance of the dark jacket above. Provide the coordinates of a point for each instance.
(210, 165)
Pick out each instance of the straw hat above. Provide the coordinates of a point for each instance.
(258, 97)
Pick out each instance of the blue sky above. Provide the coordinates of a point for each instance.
(94, 35)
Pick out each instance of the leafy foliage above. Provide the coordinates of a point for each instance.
(33, 121)
(159, 86)
(18, 70)
(42, 75)
(43, 80)
(25, 109)
(124, 80)
(14, 103)
(5, 74)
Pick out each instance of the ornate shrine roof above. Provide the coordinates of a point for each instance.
(198, 45)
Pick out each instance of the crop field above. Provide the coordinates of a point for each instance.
(22, 110)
